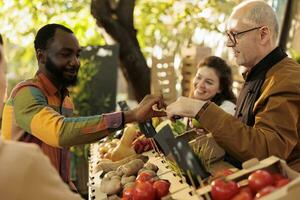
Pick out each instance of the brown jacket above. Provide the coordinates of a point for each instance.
(277, 119)
(27, 174)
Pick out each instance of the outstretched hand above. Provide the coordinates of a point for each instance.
(146, 109)
(184, 107)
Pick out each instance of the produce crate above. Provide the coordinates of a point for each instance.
(211, 151)
(163, 78)
(188, 135)
(272, 164)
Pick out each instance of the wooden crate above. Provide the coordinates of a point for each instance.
(191, 56)
(163, 78)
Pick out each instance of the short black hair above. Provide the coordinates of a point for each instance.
(1, 40)
(46, 33)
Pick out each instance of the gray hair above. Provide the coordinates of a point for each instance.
(260, 13)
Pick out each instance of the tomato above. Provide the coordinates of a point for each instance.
(138, 147)
(263, 192)
(242, 196)
(248, 190)
(143, 191)
(144, 176)
(277, 177)
(222, 190)
(161, 188)
(260, 179)
(282, 182)
(127, 193)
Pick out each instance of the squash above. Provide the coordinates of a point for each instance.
(124, 148)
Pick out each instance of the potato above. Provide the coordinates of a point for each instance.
(151, 167)
(129, 185)
(110, 174)
(110, 186)
(133, 167)
(127, 179)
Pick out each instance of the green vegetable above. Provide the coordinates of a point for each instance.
(196, 123)
(178, 127)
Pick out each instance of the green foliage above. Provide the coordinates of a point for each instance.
(20, 21)
(79, 93)
(171, 24)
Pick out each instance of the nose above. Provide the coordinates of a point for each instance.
(75, 61)
(201, 84)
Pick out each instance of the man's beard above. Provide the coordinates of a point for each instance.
(57, 72)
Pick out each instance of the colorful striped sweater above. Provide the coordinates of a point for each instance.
(38, 112)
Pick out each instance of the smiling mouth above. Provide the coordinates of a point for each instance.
(71, 72)
(200, 92)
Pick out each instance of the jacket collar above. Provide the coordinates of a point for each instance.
(265, 64)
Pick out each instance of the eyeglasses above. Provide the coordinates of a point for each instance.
(232, 36)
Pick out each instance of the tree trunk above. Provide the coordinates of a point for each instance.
(117, 20)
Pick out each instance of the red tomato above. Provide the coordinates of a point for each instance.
(144, 176)
(138, 147)
(127, 193)
(161, 188)
(282, 182)
(263, 192)
(222, 190)
(248, 190)
(143, 191)
(242, 196)
(277, 177)
(260, 179)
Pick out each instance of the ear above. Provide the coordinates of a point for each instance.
(41, 56)
(265, 34)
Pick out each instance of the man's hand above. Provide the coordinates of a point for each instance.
(184, 107)
(145, 110)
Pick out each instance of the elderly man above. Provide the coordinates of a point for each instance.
(39, 110)
(267, 118)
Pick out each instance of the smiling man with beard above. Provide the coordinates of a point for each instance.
(39, 110)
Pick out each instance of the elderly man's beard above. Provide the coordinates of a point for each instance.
(57, 72)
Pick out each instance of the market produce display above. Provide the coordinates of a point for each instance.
(259, 184)
(130, 169)
(134, 180)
